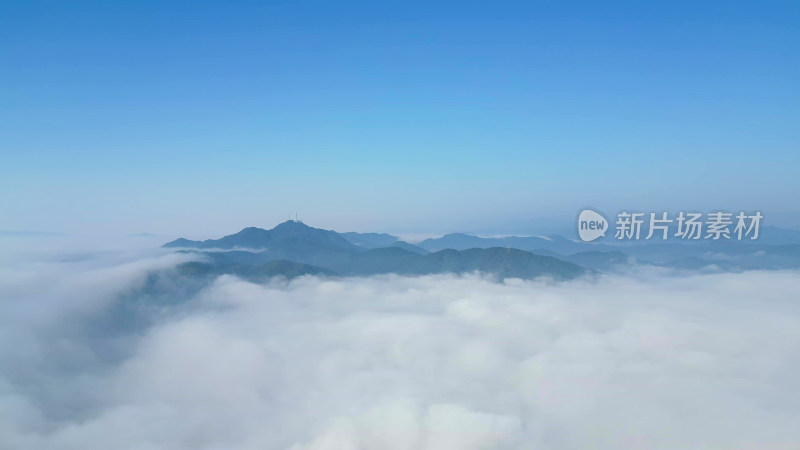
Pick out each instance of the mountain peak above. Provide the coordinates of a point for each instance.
(291, 224)
(251, 230)
(289, 233)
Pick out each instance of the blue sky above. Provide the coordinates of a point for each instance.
(200, 118)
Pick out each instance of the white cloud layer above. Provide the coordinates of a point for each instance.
(436, 362)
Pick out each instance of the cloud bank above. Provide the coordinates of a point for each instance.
(94, 353)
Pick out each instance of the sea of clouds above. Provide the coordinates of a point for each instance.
(89, 359)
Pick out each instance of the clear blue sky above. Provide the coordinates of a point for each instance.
(202, 117)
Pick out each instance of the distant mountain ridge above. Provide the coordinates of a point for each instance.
(370, 240)
(462, 241)
(259, 238)
(252, 272)
(308, 250)
(293, 248)
(501, 262)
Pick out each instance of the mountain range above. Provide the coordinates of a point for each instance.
(293, 248)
